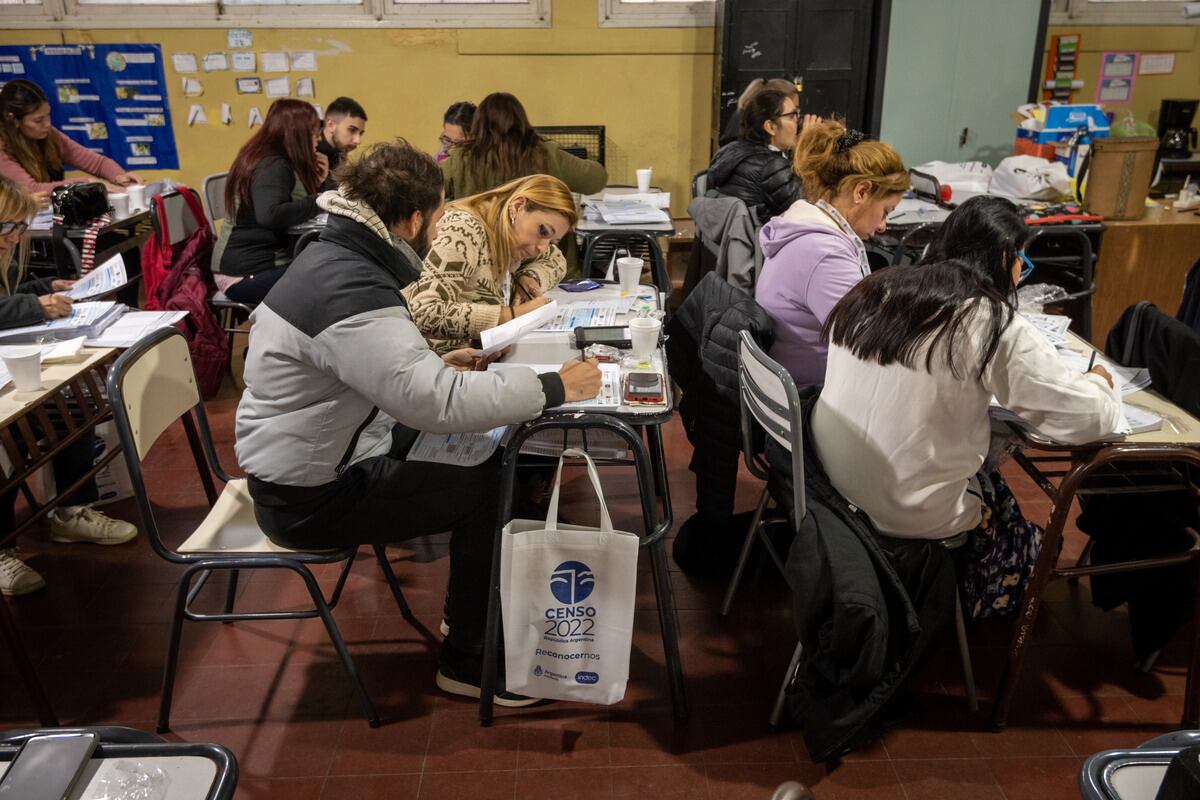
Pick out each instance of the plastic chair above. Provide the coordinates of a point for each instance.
(604, 247)
(213, 188)
(699, 183)
(151, 386)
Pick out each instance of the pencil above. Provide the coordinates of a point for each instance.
(1091, 362)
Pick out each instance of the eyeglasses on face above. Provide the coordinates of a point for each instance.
(446, 141)
(1028, 269)
(793, 114)
(13, 227)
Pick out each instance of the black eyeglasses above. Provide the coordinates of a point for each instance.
(13, 227)
(793, 114)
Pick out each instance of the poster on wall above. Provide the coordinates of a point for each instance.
(111, 98)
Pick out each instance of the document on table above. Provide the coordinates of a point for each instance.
(585, 313)
(85, 319)
(496, 339)
(458, 449)
(66, 350)
(133, 326)
(629, 213)
(1053, 326)
(610, 385)
(1126, 380)
(106, 278)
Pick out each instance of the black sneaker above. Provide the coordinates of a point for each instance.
(460, 673)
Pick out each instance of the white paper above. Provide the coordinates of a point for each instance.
(586, 313)
(215, 62)
(459, 449)
(496, 339)
(1139, 420)
(304, 87)
(278, 87)
(226, 114)
(304, 61)
(83, 315)
(43, 220)
(192, 87)
(255, 117)
(655, 199)
(1053, 326)
(274, 62)
(238, 38)
(249, 86)
(54, 352)
(131, 327)
(629, 213)
(1156, 64)
(196, 115)
(108, 277)
(184, 62)
(244, 62)
(320, 110)
(610, 384)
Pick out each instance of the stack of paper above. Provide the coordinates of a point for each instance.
(622, 212)
(586, 313)
(86, 319)
(43, 220)
(656, 199)
(610, 385)
(1138, 420)
(133, 326)
(66, 350)
(1053, 326)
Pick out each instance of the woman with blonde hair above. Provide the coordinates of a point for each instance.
(492, 260)
(28, 303)
(814, 251)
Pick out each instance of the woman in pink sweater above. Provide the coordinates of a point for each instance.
(34, 154)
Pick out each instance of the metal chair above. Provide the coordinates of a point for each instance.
(699, 183)
(604, 247)
(150, 387)
(213, 188)
(1135, 773)
(769, 398)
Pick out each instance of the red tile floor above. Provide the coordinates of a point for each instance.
(275, 695)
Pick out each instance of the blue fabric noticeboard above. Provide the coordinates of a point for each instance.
(111, 98)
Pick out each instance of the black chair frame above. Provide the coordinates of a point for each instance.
(607, 243)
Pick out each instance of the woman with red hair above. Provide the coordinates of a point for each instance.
(272, 185)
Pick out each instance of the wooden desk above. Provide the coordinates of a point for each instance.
(1144, 259)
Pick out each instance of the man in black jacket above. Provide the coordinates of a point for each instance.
(344, 126)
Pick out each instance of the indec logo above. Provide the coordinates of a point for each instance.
(572, 582)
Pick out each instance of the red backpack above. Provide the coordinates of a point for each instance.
(179, 278)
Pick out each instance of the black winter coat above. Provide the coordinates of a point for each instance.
(22, 308)
(259, 239)
(759, 176)
(703, 355)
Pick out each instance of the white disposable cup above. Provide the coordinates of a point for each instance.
(25, 366)
(629, 272)
(643, 333)
(643, 179)
(137, 198)
(119, 201)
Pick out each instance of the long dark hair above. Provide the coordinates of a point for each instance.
(765, 104)
(286, 132)
(890, 316)
(502, 145)
(985, 231)
(41, 159)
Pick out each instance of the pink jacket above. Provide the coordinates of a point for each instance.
(75, 155)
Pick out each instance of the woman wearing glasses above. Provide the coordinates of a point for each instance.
(757, 168)
(28, 302)
(455, 124)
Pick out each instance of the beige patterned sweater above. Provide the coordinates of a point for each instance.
(457, 295)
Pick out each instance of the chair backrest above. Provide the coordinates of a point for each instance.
(214, 196)
(769, 398)
(582, 141)
(151, 386)
(912, 245)
(603, 246)
(181, 222)
(699, 183)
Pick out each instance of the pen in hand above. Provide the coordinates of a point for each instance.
(1091, 362)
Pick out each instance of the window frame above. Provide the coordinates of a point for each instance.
(1121, 12)
(73, 15)
(691, 14)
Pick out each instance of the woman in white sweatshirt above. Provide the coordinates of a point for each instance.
(915, 356)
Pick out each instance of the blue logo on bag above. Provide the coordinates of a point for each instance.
(537, 671)
(587, 677)
(572, 582)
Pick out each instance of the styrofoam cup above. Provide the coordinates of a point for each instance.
(137, 198)
(25, 366)
(119, 202)
(643, 334)
(643, 179)
(629, 272)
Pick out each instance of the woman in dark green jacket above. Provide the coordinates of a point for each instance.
(503, 146)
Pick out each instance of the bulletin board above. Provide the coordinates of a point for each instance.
(110, 98)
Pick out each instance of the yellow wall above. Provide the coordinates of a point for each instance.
(651, 88)
(1148, 90)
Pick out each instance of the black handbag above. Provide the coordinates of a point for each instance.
(77, 204)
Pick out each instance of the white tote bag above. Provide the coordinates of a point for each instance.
(567, 596)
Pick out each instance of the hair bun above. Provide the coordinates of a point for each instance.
(849, 139)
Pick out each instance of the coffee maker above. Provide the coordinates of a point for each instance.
(1176, 136)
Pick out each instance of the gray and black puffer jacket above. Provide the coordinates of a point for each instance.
(757, 175)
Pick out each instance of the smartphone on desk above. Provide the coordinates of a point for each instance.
(47, 767)
(643, 388)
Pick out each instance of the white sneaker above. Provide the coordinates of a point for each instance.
(85, 524)
(16, 577)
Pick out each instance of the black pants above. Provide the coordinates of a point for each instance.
(68, 466)
(387, 499)
(253, 288)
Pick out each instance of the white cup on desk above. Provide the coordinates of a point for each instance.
(643, 335)
(643, 179)
(629, 273)
(137, 198)
(119, 203)
(24, 364)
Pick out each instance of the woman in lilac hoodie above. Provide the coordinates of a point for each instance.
(814, 252)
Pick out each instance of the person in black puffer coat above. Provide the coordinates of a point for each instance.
(757, 168)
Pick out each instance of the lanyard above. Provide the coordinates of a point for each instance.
(840, 221)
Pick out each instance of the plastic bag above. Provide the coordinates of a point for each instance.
(964, 179)
(1031, 299)
(128, 780)
(1131, 126)
(1030, 178)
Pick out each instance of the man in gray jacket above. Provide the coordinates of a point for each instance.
(339, 381)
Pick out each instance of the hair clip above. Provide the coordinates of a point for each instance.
(849, 139)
